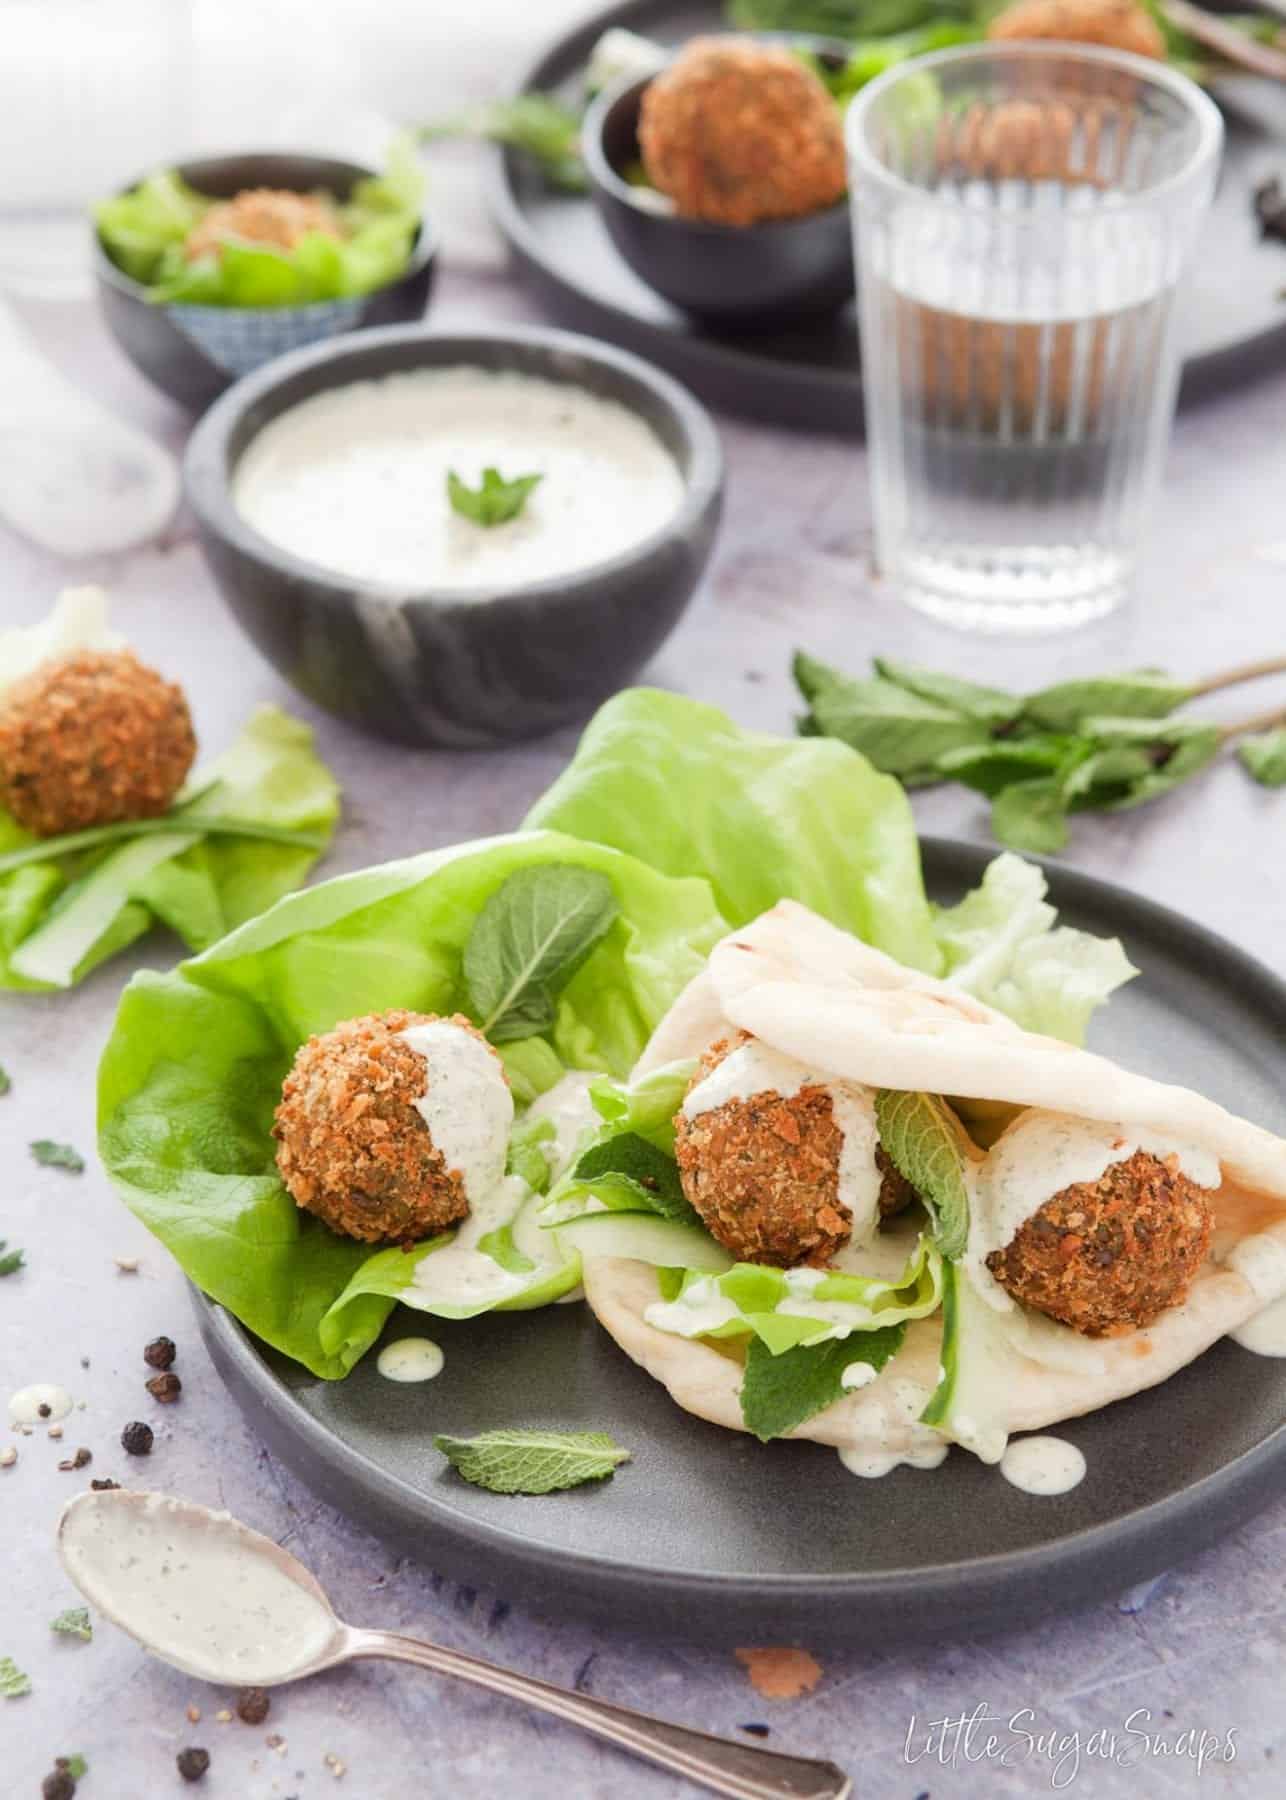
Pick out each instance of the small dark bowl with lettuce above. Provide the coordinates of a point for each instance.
(194, 326)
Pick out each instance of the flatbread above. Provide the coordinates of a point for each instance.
(834, 1003)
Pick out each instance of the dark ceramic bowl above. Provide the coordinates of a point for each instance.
(437, 666)
(747, 277)
(192, 353)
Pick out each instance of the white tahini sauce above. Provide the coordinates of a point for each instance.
(191, 1588)
(25, 1406)
(756, 1068)
(569, 1106)
(1042, 1153)
(1042, 1465)
(701, 1307)
(355, 479)
(1260, 1260)
(1265, 1334)
(890, 1414)
(459, 1274)
(410, 1359)
(467, 1105)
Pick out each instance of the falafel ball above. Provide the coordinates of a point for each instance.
(764, 1172)
(1118, 24)
(353, 1145)
(1111, 1255)
(736, 132)
(275, 216)
(93, 738)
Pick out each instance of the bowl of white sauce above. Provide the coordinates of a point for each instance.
(342, 500)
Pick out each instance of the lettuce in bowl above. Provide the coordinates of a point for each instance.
(145, 231)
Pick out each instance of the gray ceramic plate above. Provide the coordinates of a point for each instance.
(709, 1534)
(1233, 319)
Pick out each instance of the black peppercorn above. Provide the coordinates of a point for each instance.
(160, 1353)
(165, 1387)
(105, 1486)
(137, 1438)
(252, 1706)
(193, 1763)
(59, 1785)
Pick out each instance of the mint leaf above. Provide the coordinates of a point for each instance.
(526, 1156)
(1172, 750)
(990, 768)
(990, 706)
(10, 1261)
(1140, 694)
(532, 1462)
(1264, 755)
(13, 1683)
(57, 1156)
(638, 1169)
(75, 1764)
(921, 1138)
(892, 727)
(73, 1623)
(1031, 815)
(529, 940)
(5, 1083)
(780, 1392)
(494, 501)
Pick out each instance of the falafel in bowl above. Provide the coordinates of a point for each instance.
(208, 270)
(721, 180)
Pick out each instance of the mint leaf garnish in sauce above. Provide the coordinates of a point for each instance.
(13, 1683)
(495, 500)
(532, 1462)
(644, 1175)
(529, 940)
(10, 1260)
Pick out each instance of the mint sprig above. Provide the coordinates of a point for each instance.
(921, 1138)
(495, 500)
(646, 1178)
(57, 1156)
(1102, 744)
(780, 1392)
(529, 940)
(532, 1462)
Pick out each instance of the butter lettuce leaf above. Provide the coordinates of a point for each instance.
(192, 1071)
(61, 918)
(144, 232)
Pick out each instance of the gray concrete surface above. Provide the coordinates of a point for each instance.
(1204, 1649)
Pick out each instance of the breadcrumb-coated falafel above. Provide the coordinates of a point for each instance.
(351, 1146)
(763, 1173)
(1111, 1255)
(93, 738)
(1117, 24)
(737, 132)
(275, 216)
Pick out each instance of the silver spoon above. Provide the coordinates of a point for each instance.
(221, 1602)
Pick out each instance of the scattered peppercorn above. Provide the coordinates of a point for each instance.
(81, 1460)
(105, 1486)
(193, 1763)
(165, 1388)
(160, 1353)
(252, 1706)
(60, 1784)
(44, 1409)
(137, 1438)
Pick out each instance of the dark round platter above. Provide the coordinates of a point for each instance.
(709, 1534)
(1232, 323)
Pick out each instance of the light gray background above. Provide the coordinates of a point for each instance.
(1205, 1648)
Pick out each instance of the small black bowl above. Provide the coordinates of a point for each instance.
(192, 353)
(438, 666)
(747, 277)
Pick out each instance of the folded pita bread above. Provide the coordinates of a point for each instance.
(844, 1009)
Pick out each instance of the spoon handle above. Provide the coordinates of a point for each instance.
(742, 1771)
